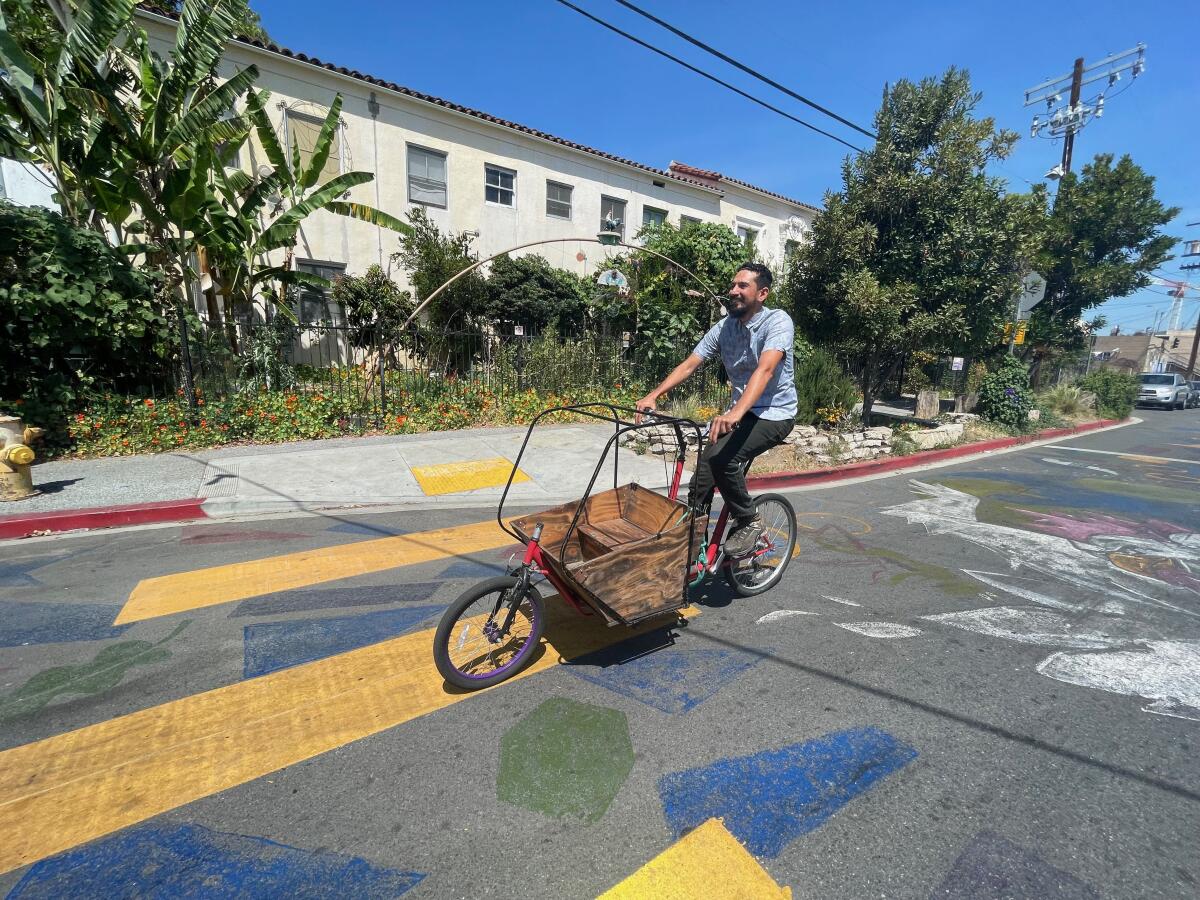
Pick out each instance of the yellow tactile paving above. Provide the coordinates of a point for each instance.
(60, 792)
(455, 477)
(223, 584)
(705, 862)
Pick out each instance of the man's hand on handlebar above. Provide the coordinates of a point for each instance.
(648, 404)
(722, 425)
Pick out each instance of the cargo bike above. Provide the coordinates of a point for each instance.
(625, 555)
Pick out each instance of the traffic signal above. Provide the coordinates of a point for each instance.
(1175, 344)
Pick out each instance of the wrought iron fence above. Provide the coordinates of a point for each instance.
(376, 378)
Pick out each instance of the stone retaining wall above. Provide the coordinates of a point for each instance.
(826, 448)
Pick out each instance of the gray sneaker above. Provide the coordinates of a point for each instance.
(741, 540)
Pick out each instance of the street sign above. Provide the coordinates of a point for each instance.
(1019, 337)
(1033, 289)
(956, 364)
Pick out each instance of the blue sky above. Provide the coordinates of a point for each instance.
(538, 63)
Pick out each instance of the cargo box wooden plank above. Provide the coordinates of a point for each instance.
(628, 554)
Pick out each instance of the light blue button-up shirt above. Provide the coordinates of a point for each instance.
(739, 348)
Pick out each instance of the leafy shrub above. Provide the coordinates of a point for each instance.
(73, 313)
(1068, 400)
(374, 304)
(1115, 392)
(822, 388)
(1004, 395)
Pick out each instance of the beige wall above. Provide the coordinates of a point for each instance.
(380, 145)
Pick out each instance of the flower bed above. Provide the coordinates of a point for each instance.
(120, 426)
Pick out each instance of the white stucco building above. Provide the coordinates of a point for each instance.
(477, 173)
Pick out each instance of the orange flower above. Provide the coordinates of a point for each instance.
(204, 423)
(125, 443)
(400, 420)
(148, 402)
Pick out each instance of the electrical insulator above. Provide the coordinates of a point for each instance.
(1033, 130)
(1139, 67)
(1099, 106)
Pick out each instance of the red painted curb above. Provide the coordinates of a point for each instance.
(103, 517)
(889, 463)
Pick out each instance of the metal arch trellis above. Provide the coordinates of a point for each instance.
(582, 240)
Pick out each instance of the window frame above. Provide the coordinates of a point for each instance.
(647, 208)
(488, 168)
(329, 307)
(408, 176)
(308, 118)
(624, 204)
(569, 202)
(688, 221)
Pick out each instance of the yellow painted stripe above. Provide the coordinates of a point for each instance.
(471, 475)
(705, 862)
(60, 792)
(222, 584)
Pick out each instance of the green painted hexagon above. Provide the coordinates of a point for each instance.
(565, 758)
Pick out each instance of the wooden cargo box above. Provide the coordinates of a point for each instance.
(628, 554)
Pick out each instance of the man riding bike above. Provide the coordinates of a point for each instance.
(756, 346)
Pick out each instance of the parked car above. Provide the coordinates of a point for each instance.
(1195, 397)
(1168, 390)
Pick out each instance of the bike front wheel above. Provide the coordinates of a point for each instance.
(488, 634)
(761, 570)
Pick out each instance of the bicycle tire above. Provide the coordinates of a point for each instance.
(745, 576)
(469, 670)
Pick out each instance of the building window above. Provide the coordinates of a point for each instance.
(313, 306)
(652, 216)
(426, 177)
(614, 210)
(303, 133)
(748, 235)
(790, 248)
(501, 186)
(688, 221)
(558, 200)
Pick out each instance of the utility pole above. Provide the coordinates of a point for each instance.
(1069, 140)
(1066, 121)
(1193, 251)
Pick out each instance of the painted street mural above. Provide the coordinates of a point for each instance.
(1118, 599)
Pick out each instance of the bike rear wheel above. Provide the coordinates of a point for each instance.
(473, 648)
(762, 570)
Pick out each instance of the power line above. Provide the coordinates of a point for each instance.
(704, 74)
(733, 62)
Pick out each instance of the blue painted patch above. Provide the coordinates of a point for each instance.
(994, 868)
(770, 798)
(368, 529)
(279, 645)
(193, 861)
(469, 568)
(335, 598)
(52, 623)
(666, 678)
(16, 574)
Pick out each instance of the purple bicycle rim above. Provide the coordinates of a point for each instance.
(526, 649)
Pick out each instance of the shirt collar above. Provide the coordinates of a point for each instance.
(755, 320)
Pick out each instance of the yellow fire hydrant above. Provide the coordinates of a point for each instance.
(16, 483)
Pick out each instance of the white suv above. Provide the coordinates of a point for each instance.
(1169, 391)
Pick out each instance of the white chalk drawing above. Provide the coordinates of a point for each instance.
(880, 629)
(782, 614)
(842, 601)
(1124, 593)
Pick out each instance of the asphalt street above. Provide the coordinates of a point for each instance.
(979, 680)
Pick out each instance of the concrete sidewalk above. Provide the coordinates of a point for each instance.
(464, 468)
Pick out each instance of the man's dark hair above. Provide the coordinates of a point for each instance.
(762, 275)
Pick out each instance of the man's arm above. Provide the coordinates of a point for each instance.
(768, 362)
(678, 376)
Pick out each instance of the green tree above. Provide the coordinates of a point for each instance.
(1102, 239)
(375, 307)
(921, 248)
(431, 259)
(246, 22)
(527, 290)
(74, 314)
